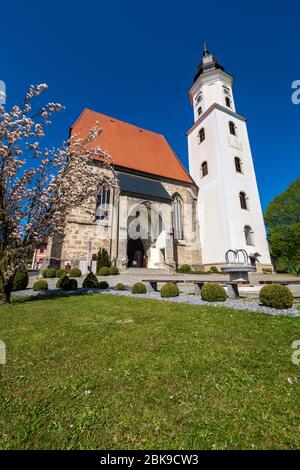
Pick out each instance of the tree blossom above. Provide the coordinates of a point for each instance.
(39, 186)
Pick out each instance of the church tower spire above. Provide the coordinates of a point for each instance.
(221, 164)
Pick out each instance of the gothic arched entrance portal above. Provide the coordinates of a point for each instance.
(135, 253)
(146, 239)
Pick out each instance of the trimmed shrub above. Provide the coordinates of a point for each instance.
(91, 282)
(276, 296)
(102, 259)
(138, 288)
(214, 269)
(120, 286)
(185, 268)
(60, 272)
(63, 282)
(213, 292)
(104, 271)
(75, 272)
(71, 285)
(103, 285)
(113, 270)
(40, 285)
(20, 281)
(49, 272)
(169, 290)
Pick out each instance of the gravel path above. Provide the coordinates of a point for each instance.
(182, 298)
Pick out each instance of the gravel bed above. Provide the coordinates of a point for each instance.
(237, 304)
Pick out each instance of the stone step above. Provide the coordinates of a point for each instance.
(147, 271)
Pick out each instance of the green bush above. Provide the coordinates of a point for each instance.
(91, 282)
(169, 290)
(120, 286)
(185, 268)
(104, 271)
(71, 285)
(60, 272)
(282, 265)
(75, 272)
(102, 259)
(49, 272)
(276, 296)
(103, 285)
(138, 288)
(213, 292)
(63, 282)
(40, 285)
(214, 269)
(113, 270)
(20, 281)
(294, 268)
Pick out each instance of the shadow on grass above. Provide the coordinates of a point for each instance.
(53, 294)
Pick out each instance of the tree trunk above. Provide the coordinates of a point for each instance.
(5, 293)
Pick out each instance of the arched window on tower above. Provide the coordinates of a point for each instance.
(248, 235)
(201, 135)
(238, 164)
(177, 218)
(228, 101)
(102, 208)
(204, 169)
(243, 200)
(232, 128)
(199, 111)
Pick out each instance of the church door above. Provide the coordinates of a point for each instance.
(135, 253)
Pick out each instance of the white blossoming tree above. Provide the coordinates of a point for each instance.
(39, 186)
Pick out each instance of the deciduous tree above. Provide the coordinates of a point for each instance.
(39, 186)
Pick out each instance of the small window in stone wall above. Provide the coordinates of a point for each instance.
(238, 164)
(204, 169)
(102, 208)
(243, 200)
(232, 128)
(248, 235)
(177, 218)
(201, 135)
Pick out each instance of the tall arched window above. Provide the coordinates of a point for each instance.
(201, 135)
(243, 200)
(103, 200)
(238, 164)
(204, 169)
(228, 101)
(177, 218)
(232, 128)
(248, 235)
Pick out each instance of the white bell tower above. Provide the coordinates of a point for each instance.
(221, 164)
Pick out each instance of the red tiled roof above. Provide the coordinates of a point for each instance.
(132, 147)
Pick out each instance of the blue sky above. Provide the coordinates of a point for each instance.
(135, 60)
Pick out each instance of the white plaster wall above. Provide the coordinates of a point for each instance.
(211, 87)
(221, 218)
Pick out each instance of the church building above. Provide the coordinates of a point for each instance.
(159, 215)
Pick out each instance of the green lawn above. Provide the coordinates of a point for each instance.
(99, 372)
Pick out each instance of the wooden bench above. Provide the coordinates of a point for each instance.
(233, 290)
